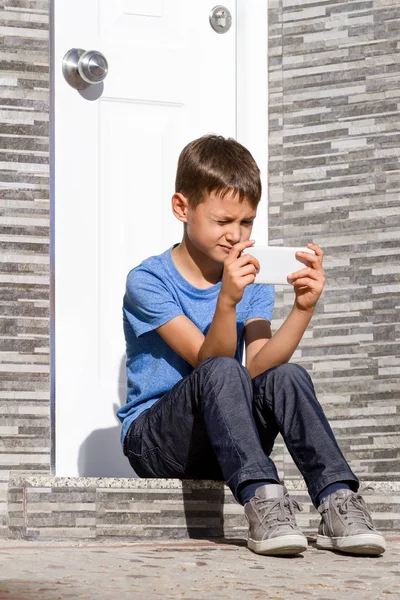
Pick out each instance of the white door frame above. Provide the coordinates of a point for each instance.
(251, 128)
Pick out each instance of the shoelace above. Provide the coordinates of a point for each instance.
(355, 509)
(283, 507)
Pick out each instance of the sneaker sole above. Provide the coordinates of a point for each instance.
(364, 543)
(282, 545)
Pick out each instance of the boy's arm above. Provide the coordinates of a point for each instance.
(182, 335)
(263, 353)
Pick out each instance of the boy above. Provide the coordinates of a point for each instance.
(193, 411)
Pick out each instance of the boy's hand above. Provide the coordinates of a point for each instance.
(239, 272)
(308, 283)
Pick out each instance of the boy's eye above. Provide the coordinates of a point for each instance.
(225, 222)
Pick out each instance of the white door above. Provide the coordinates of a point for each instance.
(171, 79)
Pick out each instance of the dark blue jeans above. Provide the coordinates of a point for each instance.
(219, 423)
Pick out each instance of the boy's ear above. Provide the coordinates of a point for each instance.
(180, 206)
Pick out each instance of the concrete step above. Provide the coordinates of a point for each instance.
(49, 508)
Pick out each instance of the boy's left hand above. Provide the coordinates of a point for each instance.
(309, 282)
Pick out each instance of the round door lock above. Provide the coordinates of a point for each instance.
(82, 68)
(220, 19)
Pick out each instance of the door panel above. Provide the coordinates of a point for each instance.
(135, 212)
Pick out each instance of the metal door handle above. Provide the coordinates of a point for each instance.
(83, 68)
(220, 19)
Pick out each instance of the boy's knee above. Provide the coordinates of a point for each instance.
(289, 372)
(222, 364)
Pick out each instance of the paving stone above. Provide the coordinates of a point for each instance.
(191, 570)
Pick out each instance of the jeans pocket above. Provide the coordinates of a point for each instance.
(155, 463)
(133, 436)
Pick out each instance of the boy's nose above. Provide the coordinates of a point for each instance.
(233, 236)
(231, 241)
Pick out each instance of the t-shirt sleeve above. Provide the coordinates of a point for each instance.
(262, 302)
(148, 303)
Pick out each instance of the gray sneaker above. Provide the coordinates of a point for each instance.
(272, 525)
(346, 525)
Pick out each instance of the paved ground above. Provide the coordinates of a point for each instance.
(191, 570)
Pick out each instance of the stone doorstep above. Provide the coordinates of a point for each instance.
(45, 507)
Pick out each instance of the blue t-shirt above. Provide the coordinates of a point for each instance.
(156, 292)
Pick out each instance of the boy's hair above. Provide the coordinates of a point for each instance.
(214, 163)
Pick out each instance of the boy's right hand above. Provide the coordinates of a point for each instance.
(239, 272)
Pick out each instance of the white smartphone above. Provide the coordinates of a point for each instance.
(276, 262)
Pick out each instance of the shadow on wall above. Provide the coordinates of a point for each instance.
(204, 510)
(101, 454)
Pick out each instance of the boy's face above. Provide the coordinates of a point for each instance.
(217, 224)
